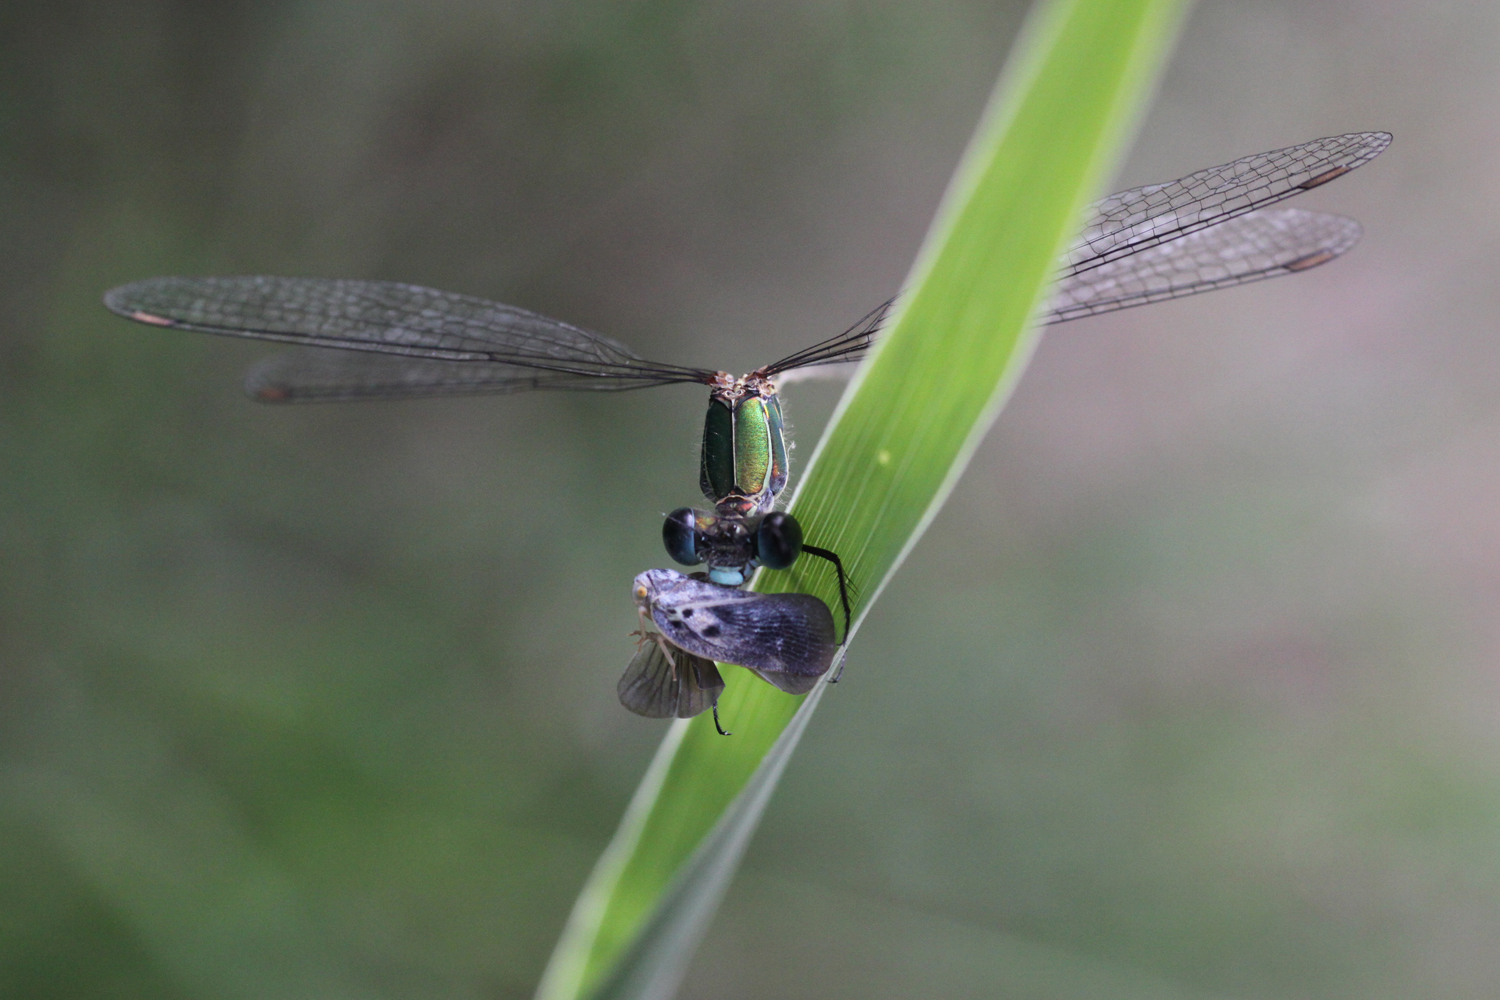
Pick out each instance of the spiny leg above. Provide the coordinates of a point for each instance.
(644, 636)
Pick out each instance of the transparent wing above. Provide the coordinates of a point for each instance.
(1248, 248)
(440, 335)
(1152, 243)
(314, 375)
(432, 331)
(832, 371)
(847, 346)
(662, 688)
(1131, 221)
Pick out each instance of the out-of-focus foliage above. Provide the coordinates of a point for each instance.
(1189, 691)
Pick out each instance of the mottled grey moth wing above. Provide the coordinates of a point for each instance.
(659, 688)
(788, 639)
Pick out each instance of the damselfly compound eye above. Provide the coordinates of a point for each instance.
(682, 538)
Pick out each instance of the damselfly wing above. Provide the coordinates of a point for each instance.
(1212, 229)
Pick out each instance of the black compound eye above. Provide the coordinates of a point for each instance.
(778, 541)
(681, 536)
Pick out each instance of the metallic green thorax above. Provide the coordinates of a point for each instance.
(744, 447)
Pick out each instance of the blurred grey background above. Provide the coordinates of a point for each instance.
(1191, 690)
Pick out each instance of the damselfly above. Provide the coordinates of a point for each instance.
(1211, 229)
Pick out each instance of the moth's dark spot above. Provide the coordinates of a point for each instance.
(687, 612)
(711, 631)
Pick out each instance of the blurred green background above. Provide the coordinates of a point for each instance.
(1191, 690)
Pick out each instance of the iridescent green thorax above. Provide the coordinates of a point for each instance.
(744, 445)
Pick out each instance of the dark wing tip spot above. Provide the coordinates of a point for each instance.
(1311, 260)
(1324, 178)
(145, 317)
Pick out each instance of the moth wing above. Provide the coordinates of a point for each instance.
(785, 634)
(803, 646)
(652, 686)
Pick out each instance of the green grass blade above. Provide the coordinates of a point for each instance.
(659, 955)
(1067, 102)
